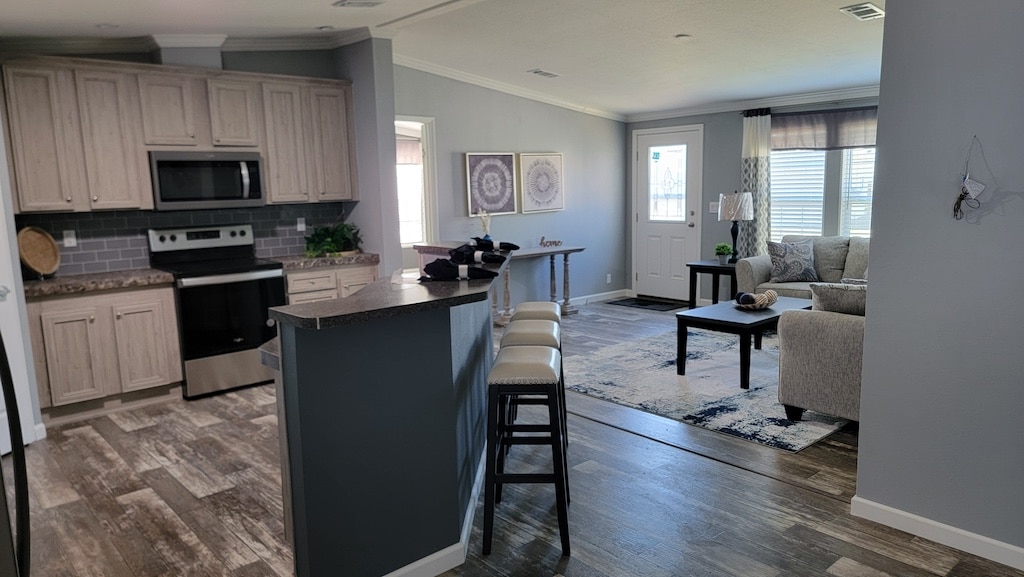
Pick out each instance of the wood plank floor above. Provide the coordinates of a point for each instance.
(193, 488)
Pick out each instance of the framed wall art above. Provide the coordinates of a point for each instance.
(542, 183)
(491, 183)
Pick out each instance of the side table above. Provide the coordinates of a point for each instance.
(715, 270)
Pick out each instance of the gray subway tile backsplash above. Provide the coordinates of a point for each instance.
(113, 241)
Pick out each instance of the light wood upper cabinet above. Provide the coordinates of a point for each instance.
(115, 160)
(168, 109)
(310, 142)
(332, 155)
(102, 344)
(234, 112)
(49, 171)
(283, 107)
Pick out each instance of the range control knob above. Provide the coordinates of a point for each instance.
(233, 234)
(162, 238)
(242, 232)
(174, 237)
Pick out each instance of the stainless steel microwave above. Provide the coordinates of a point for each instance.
(192, 180)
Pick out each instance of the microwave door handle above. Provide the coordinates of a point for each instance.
(245, 178)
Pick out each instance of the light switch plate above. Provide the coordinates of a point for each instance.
(300, 224)
(70, 239)
(713, 207)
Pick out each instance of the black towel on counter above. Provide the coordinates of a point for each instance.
(444, 269)
(466, 254)
(489, 245)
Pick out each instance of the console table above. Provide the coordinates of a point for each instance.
(715, 269)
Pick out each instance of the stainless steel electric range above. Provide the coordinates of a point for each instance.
(223, 292)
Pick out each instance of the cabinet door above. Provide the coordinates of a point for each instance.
(234, 118)
(330, 165)
(75, 362)
(143, 350)
(111, 135)
(168, 109)
(286, 154)
(351, 280)
(45, 139)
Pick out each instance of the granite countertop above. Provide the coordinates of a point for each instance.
(384, 298)
(102, 281)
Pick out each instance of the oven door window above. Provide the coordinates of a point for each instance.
(226, 318)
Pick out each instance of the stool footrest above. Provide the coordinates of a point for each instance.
(502, 478)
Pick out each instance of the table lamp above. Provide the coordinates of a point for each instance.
(735, 207)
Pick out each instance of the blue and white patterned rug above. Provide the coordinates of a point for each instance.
(642, 374)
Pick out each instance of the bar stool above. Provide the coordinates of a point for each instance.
(544, 310)
(536, 332)
(536, 371)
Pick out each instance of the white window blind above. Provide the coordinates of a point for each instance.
(858, 184)
(797, 192)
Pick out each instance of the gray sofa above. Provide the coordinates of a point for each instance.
(835, 258)
(821, 352)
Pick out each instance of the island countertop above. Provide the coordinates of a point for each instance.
(386, 298)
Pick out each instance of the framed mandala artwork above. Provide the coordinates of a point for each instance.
(491, 183)
(542, 184)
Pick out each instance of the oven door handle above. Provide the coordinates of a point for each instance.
(229, 278)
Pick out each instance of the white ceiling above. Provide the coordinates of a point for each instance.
(614, 58)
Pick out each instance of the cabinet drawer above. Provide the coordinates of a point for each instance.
(352, 276)
(309, 297)
(311, 281)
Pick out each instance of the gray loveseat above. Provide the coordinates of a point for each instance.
(835, 258)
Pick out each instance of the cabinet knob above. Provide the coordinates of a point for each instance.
(118, 316)
(95, 198)
(92, 319)
(67, 199)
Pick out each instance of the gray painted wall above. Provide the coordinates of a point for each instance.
(943, 379)
(474, 119)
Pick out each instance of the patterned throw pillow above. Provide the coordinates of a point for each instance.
(792, 262)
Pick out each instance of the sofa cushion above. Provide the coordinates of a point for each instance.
(839, 298)
(792, 262)
(829, 255)
(800, 290)
(857, 259)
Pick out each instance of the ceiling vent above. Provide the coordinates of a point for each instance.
(864, 11)
(543, 73)
(357, 3)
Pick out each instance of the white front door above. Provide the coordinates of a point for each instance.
(667, 188)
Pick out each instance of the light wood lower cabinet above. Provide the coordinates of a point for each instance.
(92, 346)
(328, 283)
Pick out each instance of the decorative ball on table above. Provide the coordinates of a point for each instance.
(756, 301)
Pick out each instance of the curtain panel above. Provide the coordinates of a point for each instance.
(755, 157)
(408, 152)
(826, 130)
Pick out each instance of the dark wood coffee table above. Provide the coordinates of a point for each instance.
(727, 318)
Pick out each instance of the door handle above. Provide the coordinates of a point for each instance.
(691, 224)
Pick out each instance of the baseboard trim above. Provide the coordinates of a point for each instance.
(979, 545)
(601, 297)
(454, 555)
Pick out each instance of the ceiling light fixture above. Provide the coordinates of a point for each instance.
(106, 26)
(864, 11)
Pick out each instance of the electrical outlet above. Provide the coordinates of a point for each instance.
(713, 207)
(70, 239)
(608, 278)
(300, 224)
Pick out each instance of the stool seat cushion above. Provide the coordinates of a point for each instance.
(526, 365)
(532, 332)
(544, 310)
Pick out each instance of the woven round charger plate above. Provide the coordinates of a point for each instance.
(38, 250)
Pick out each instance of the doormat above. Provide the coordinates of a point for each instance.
(649, 304)
(642, 374)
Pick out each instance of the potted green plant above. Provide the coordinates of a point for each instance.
(334, 240)
(723, 251)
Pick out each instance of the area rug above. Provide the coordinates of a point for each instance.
(649, 304)
(642, 374)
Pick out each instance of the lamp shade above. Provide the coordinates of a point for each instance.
(736, 206)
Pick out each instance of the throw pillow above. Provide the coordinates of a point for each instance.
(854, 281)
(839, 298)
(792, 262)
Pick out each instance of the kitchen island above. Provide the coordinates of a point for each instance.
(384, 398)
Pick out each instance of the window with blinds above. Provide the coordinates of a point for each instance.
(797, 192)
(858, 185)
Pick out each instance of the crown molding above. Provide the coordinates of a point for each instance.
(475, 80)
(190, 40)
(841, 95)
(79, 45)
(318, 42)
